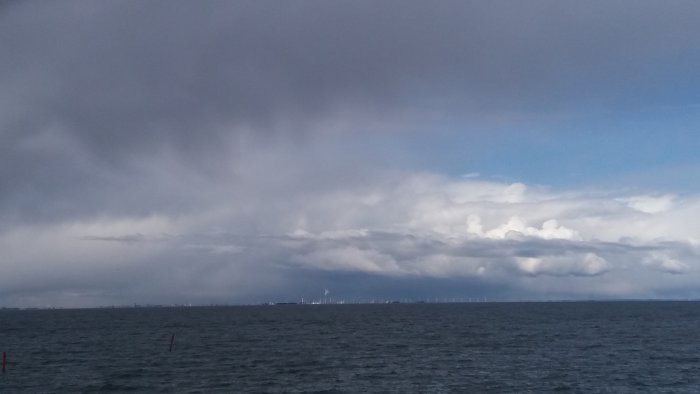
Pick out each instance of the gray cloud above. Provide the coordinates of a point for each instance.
(141, 121)
(126, 76)
(410, 234)
(111, 81)
(231, 268)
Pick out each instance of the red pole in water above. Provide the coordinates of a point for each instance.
(4, 361)
(172, 341)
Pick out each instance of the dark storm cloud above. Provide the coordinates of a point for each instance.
(126, 122)
(90, 88)
(126, 75)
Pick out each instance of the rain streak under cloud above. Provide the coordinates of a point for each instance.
(189, 152)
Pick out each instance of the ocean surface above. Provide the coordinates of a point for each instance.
(567, 347)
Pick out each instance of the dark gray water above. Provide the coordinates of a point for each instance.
(620, 347)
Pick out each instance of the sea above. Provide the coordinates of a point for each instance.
(547, 347)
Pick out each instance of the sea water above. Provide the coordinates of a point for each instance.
(575, 347)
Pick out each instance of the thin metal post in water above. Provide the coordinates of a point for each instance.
(4, 361)
(172, 341)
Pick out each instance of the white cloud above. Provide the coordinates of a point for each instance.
(661, 261)
(515, 238)
(350, 258)
(650, 204)
(587, 264)
(516, 227)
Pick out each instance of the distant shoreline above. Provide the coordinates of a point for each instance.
(315, 304)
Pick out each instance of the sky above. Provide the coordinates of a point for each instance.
(175, 152)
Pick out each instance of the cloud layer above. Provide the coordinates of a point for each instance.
(519, 243)
(240, 151)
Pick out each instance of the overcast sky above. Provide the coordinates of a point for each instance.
(245, 151)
